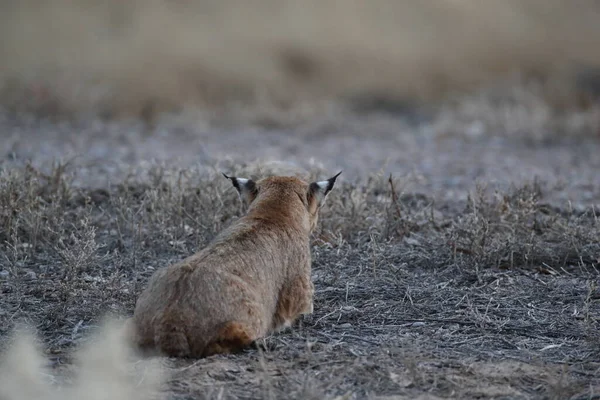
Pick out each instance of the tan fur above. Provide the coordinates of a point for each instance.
(254, 278)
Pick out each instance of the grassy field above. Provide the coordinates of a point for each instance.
(465, 266)
(457, 256)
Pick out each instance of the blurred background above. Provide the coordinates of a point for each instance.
(447, 92)
(142, 57)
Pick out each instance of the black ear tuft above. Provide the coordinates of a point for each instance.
(332, 180)
(233, 180)
(245, 187)
(318, 191)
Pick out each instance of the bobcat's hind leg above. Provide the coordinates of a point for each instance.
(295, 299)
(232, 337)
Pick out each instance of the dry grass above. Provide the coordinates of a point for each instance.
(141, 56)
(412, 296)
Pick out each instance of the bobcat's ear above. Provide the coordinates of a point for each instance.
(246, 188)
(318, 191)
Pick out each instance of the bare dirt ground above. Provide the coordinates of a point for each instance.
(457, 258)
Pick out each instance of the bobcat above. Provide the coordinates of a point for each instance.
(252, 279)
